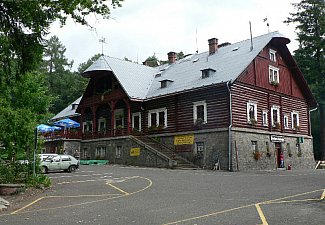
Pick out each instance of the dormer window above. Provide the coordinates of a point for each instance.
(272, 55)
(165, 83)
(207, 72)
(74, 106)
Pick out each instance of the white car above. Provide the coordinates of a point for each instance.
(60, 162)
(46, 155)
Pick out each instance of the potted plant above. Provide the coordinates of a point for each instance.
(257, 155)
(274, 83)
(118, 130)
(252, 121)
(276, 125)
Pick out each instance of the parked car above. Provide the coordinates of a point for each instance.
(46, 155)
(60, 162)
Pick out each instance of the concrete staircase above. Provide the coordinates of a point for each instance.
(178, 161)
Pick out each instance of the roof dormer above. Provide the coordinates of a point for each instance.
(165, 83)
(207, 72)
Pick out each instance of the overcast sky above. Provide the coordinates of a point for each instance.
(142, 28)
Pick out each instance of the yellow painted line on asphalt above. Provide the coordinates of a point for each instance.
(290, 201)
(261, 214)
(84, 203)
(119, 189)
(26, 206)
(241, 207)
(208, 215)
(323, 195)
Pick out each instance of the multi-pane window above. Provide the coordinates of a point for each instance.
(274, 75)
(199, 148)
(136, 121)
(100, 152)
(119, 118)
(85, 153)
(275, 116)
(295, 120)
(118, 151)
(87, 126)
(251, 112)
(102, 124)
(286, 122)
(272, 55)
(200, 112)
(264, 118)
(157, 117)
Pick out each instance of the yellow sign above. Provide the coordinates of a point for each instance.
(184, 139)
(134, 151)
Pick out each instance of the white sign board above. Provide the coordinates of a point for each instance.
(277, 138)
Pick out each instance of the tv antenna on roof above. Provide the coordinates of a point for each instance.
(267, 24)
(102, 40)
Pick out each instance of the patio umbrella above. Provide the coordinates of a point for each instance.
(67, 123)
(43, 128)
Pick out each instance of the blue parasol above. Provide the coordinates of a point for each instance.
(67, 123)
(43, 128)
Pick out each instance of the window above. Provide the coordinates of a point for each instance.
(295, 120)
(264, 118)
(85, 153)
(119, 118)
(118, 152)
(207, 72)
(100, 152)
(254, 146)
(157, 117)
(275, 116)
(87, 126)
(165, 83)
(102, 124)
(136, 121)
(272, 55)
(199, 148)
(251, 112)
(200, 115)
(65, 158)
(274, 75)
(286, 122)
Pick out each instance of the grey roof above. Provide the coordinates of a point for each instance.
(141, 82)
(134, 78)
(68, 111)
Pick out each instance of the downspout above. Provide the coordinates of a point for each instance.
(312, 110)
(229, 130)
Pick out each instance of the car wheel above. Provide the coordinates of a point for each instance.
(44, 169)
(72, 169)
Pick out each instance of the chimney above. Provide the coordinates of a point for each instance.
(213, 45)
(171, 57)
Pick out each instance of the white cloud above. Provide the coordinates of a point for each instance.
(142, 28)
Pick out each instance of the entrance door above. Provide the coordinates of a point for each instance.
(280, 155)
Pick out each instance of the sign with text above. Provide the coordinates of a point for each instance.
(134, 151)
(184, 139)
(277, 138)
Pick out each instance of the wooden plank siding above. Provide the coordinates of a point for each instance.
(242, 94)
(257, 73)
(180, 109)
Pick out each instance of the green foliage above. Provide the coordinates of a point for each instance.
(83, 66)
(310, 25)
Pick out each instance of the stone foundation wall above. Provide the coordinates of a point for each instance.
(298, 159)
(118, 152)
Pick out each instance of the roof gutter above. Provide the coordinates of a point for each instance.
(229, 129)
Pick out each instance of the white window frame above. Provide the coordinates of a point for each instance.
(272, 55)
(87, 123)
(118, 112)
(118, 152)
(157, 111)
(272, 72)
(265, 118)
(99, 122)
(286, 122)
(133, 116)
(248, 105)
(101, 152)
(292, 122)
(277, 108)
(205, 109)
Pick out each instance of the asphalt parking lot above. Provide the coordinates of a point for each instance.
(148, 196)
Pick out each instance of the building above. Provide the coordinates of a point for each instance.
(237, 106)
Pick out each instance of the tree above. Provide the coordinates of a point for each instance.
(310, 20)
(83, 66)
